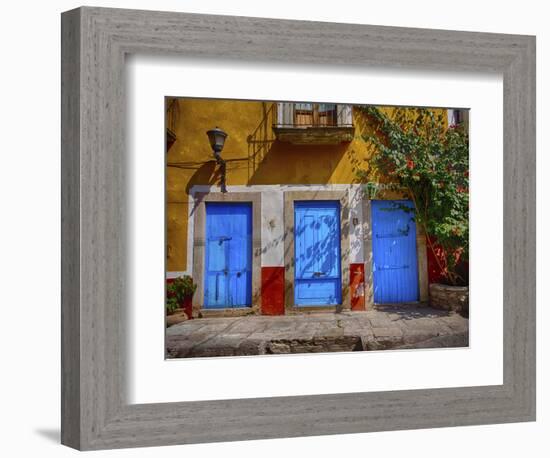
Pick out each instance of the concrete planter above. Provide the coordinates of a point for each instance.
(176, 317)
(453, 298)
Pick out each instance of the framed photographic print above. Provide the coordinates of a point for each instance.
(301, 214)
(310, 228)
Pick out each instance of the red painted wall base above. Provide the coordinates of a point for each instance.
(273, 290)
(357, 286)
(435, 274)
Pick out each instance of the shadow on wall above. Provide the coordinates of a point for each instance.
(321, 254)
(287, 163)
(205, 174)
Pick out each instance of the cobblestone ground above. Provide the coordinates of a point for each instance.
(385, 327)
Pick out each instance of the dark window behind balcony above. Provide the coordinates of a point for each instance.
(314, 123)
(315, 114)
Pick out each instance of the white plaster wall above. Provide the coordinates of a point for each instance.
(356, 239)
(273, 228)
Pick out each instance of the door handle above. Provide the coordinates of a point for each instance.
(318, 274)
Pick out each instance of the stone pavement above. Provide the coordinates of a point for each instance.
(385, 327)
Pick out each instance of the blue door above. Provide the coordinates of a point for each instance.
(395, 264)
(317, 280)
(228, 275)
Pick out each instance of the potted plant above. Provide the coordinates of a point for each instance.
(179, 294)
(430, 161)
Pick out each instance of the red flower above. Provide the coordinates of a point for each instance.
(410, 164)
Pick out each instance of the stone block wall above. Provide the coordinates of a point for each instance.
(452, 298)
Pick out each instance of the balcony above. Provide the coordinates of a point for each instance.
(313, 123)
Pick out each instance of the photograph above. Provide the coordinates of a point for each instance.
(313, 227)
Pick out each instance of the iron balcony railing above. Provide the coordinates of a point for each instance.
(303, 115)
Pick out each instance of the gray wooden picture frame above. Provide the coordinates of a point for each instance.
(95, 41)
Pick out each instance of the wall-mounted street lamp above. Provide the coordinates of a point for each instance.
(217, 138)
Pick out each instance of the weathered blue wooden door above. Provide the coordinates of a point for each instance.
(317, 280)
(228, 276)
(394, 252)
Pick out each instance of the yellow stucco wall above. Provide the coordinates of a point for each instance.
(253, 158)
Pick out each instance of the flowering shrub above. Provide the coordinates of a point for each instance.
(431, 162)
